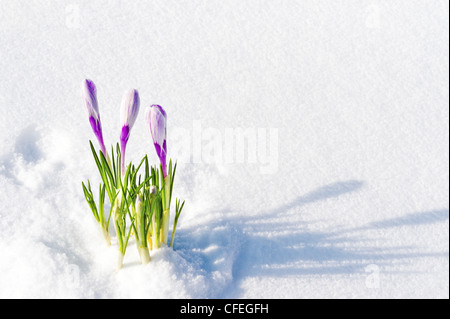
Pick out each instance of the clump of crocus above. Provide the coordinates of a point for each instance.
(89, 94)
(140, 205)
(157, 121)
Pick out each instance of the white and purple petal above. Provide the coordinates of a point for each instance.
(89, 93)
(130, 108)
(129, 111)
(157, 121)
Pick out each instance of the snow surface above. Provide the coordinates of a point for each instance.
(356, 204)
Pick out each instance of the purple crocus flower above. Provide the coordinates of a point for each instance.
(156, 119)
(90, 101)
(128, 113)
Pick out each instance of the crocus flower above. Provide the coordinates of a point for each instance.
(90, 101)
(156, 119)
(128, 114)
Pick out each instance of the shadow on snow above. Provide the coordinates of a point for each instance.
(261, 245)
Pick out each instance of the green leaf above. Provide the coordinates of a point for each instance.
(140, 164)
(102, 206)
(147, 172)
(90, 200)
(97, 161)
(172, 179)
(128, 207)
(125, 179)
(107, 169)
(142, 184)
(113, 162)
(128, 237)
(102, 173)
(87, 194)
(118, 163)
(178, 209)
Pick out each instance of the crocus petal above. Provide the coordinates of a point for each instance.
(128, 113)
(130, 108)
(124, 135)
(90, 102)
(157, 119)
(90, 99)
(96, 127)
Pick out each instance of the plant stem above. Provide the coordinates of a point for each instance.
(155, 233)
(119, 225)
(166, 210)
(120, 260)
(171, 237)
(106, 236)
(144, 254)
(141, 238)
(165, 226)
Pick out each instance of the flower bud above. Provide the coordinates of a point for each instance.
(156, 119)
(128, 113)
(89, 93)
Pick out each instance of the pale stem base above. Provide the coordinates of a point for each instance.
(120, 261)
(165, 226)
(106, 236)
(144, 254)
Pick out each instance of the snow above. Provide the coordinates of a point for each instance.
(345, 196)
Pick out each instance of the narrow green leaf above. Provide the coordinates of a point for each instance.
(140, 164)
(87, 195)
(142, 184)
(128, 238)
(107, 169)
(101, 205)
(147, 172)
(119, 160)
(128, 208)
(153, 176)
(97, 161)
(172, 179)
(102, 173)
(90, 200)
(113, 162)
(178, 209)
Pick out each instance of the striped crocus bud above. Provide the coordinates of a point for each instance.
(90, 101)
(128, 113)
(156, 119)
